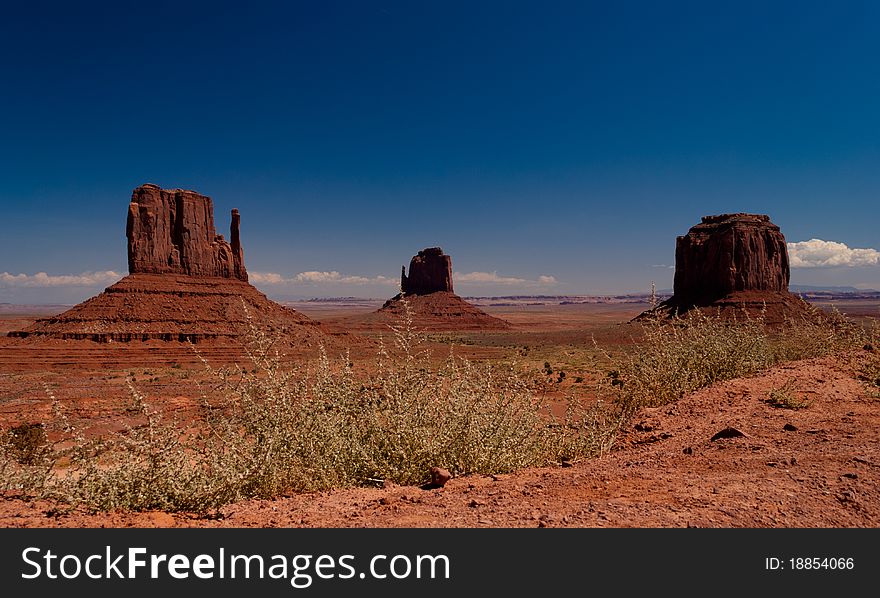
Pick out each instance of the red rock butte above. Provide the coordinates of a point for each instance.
(186, 283)
(733, 262)
(172, 232)
(430, 271)
(428, 291)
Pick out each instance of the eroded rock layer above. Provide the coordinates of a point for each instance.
(187, 284)
(172, 232)
(170, 307)
(729, 253)
(430, 271)
(439, 311)
(735, 265)
(433, 305)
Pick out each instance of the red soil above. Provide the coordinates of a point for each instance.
(439, 311)
(664, 472)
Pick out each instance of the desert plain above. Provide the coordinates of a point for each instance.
(812, 467)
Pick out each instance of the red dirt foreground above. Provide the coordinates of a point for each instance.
(771, 467)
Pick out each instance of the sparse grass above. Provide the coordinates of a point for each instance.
(699, 349)
(322, 427)
(691, 352)
(819, 333)
(273, 428)
(786, 397)
(869, 373)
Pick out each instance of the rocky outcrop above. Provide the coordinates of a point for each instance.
(729, 253)
(187, 284)
(426, 294)
(430, 271)
(174, 307)
(735, 265)
(171, 231)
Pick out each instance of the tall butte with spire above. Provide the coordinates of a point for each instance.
(736, 265)
(433, 303)
(185, 283)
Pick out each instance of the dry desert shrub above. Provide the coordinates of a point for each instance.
(817, 333)
(786, 397)
(691, 352)
(273, 428)
(278, 429)
(699, 349)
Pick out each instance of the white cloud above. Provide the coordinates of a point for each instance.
(486, 277)
(493, 278)
(265, 278)
(41, 279)
(320, 277)
(315, 277)
(817, 253)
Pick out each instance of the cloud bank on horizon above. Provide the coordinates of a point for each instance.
(44, 280)
(313, 277)
(334, 277)
(811, 254)
(817, 253)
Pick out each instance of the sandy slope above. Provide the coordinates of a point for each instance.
(666, 473)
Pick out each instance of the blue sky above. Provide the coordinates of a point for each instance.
(549, 147)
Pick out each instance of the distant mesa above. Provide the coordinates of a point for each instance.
(429, 292)
(186, 282)
(733, 263)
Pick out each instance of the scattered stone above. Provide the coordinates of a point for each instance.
(688, 451)
(439, 477)
(790, 428)
(851, 476)
(729, 432)
(567, 463)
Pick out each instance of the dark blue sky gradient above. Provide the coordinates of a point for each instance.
(572, 139)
